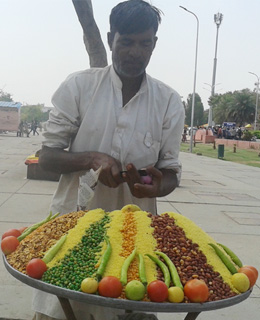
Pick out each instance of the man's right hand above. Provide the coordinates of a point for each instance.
(110, 175)
(61, 161)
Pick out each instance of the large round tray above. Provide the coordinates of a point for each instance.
(121, 303)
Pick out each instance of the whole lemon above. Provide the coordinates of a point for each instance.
(240, 281)
(135, 290)
(89, 285)
(175, 294)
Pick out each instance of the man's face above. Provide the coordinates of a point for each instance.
(131, 52)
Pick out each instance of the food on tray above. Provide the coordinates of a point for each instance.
(135, 290)
(9, 244)
(119, 253)
(196, 290)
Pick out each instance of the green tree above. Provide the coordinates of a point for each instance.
(220, 104)
(198, 111)
(237, 106)
(33, 112)
(205, 116)
(4, 96)
(242, 110)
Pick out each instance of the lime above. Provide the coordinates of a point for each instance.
(240, 281)
(175, 294)
(130, 208)
(135, 290)
(89, 285)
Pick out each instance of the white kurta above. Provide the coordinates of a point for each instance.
(146, 131)
(89, 115)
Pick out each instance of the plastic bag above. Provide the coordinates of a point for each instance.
(87, 184)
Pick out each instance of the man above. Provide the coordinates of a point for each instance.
(119, 118)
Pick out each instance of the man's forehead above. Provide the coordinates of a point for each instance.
(145, 34)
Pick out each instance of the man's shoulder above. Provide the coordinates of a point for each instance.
(160, 85)
(83, 80)
(91, 72)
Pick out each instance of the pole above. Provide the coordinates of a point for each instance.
(256, 104)
(217, 19)
(215, 65)
(257, 94)
(195, 76)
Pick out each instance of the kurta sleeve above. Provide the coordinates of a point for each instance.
(64, 119)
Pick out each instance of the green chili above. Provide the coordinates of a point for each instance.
(224, 258)
(37, 225)
(126, 264)
(232, 255)
(104, 259)
(141, 268)
(163, 267)
(173, 271)
(51, 253)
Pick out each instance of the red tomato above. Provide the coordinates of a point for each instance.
(12, 232)
(22, 229)
(9, 244)
(196, 290)
(110, 287)
(252, 268)
(252, 274)
(36, 268)
(157, 291)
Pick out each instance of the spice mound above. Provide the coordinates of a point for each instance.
(143, 251)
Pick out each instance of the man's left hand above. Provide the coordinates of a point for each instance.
(137, 187)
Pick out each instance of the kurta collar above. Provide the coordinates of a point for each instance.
(118, 83)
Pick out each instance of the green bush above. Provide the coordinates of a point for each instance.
(247, 135)
(257, 134)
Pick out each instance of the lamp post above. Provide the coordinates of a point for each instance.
(257, 93)
(195, 75)
(217, 19)
(211, 86)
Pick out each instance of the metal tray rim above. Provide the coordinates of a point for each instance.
(121, 303)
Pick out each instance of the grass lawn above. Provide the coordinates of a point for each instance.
(249, 157)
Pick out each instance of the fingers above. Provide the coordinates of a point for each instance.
(155, 173)
(143, 187)
(110, 176)
(111, 168)
(132, 176)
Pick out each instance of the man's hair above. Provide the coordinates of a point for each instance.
(134, 16)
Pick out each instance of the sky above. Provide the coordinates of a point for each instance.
(42, 43)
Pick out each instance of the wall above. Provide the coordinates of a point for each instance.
(239, 143)
(9, 118)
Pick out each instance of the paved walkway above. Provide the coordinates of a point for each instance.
(223, 198)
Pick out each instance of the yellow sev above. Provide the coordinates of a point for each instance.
(74, 235)
(129, 229)
(197, 235)
(146, 243)
(115, 261)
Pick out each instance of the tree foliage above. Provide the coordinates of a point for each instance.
(237, 106)
(4, 96)
(198, 118)
(34, 112)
